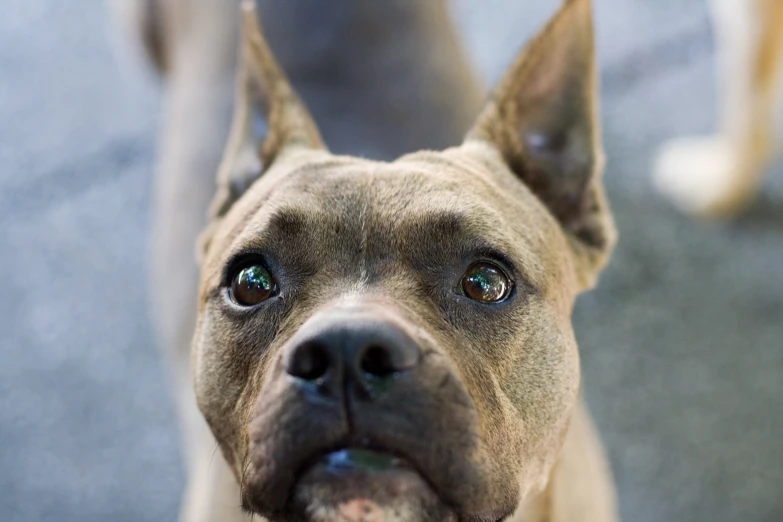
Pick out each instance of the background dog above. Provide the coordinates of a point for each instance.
(720, 174)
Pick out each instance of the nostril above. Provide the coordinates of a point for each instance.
(310, 362)
(377, 361)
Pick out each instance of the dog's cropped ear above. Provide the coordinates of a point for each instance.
(542, 118)
(268, 117)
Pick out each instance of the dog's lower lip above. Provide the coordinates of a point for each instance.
(360, 459)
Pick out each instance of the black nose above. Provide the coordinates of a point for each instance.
(366, 352)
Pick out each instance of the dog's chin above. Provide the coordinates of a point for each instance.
(362, 485)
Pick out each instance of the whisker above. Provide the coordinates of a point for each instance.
(212, 458)
(243, 476)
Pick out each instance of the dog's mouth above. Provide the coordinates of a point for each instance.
(411, 455)
(356, 469)
(363, 484)
(361, 460)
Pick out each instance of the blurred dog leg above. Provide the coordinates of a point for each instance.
(194, 45)
(718, 175)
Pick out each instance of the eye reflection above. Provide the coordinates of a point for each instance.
(485, 283)
(252, 285)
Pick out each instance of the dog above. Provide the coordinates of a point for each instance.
(719, 175)
(381, 340)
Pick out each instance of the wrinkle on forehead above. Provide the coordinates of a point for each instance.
(437, 200)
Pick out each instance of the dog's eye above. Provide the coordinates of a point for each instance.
(485, 283)
(252, 285)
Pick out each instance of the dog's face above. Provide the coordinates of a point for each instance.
(393, 340)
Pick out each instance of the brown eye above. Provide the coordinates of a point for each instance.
(485, 283)
(252, 285)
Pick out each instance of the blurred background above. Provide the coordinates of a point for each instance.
(682, 343)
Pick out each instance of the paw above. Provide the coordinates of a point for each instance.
(705, 176)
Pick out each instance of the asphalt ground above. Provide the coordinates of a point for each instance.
(682, 343)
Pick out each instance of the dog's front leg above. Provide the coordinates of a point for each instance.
(211, 493)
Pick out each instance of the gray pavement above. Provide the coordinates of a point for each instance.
(682, 343)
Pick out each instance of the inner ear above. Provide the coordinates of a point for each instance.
(268, 117)
(543, 119)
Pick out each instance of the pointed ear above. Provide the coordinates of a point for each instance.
(268, 117)
(543, 119)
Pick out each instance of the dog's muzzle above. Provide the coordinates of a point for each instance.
(359, 410)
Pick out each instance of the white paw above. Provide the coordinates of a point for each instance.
(703, 176)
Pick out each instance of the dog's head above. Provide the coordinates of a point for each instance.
(396, 337)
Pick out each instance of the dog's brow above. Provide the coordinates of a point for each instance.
(435, 231)
(283, 226)
(449, 233)
(447, 226)
(446, 223)
(289, 221)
